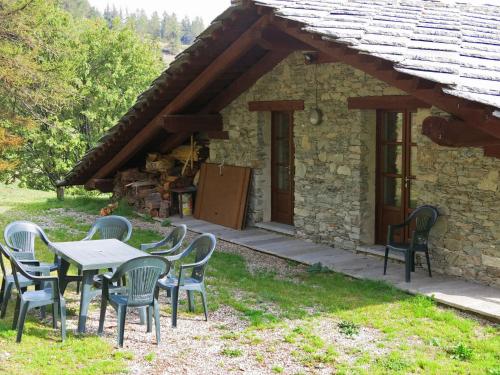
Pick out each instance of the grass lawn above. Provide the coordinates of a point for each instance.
(319, 321)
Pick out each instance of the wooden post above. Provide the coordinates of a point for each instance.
(60, 193)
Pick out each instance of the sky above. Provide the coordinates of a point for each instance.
(207, 9)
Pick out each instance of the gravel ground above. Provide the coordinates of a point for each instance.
(225, 344)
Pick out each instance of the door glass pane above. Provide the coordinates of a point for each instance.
(414, 194)
(413, 160)
(414, 127)
(392, 129)
(393, 159)
(392, 191)
(283, 178)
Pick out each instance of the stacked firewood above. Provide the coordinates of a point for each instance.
(148, 189)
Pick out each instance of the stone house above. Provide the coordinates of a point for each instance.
(350, 115)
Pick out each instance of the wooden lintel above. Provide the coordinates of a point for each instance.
(104, 185)
(224, 135)
(192, 123)
(456, 133)
(318, 57)
(386, 102)
(276, 105)
(492, 151)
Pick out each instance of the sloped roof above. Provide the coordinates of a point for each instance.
(454, 44)
(457, 45)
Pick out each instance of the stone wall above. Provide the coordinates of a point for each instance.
(464, 184)
(335, 169)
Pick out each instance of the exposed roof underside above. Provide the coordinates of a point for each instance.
(456, 46)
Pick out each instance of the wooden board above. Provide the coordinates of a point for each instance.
(222, 195)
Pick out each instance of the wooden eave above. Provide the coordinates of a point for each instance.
(228, 60)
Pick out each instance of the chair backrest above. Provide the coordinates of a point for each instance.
(424, 218)
(21, 235)
(111, 227)
(203, 247)
(3, 253)
(141, 275)
(175, 239)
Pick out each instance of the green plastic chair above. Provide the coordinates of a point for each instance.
(8, 282)
(21, 235)
(141, 276)
(30, 299)
(110, 227)
(424, 218)
(105, 228)
(173, 242)
(203, 247)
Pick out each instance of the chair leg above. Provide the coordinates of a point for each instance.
(21, 319)
(386, 257)
(62, 313)
(149, 319)
(407, 266)
(428, 262)
(16, 312)
(204, 301)
(190, 297)
(412, 257)
(102, 316)
(175, 302)
(156, 308)
(78, 283)
(142, 315)
(6, 296)
(2, 290)
(55, 309)
(122, 313)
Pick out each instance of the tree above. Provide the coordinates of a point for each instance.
(171, 32)
(197, 26)
(80, 8)
(35, 72)
(187, 35)
(154, 26)
(95, 76)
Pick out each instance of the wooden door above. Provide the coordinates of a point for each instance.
(282, 171)
(396, 161)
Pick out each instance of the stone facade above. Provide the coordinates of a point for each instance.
(335, 169)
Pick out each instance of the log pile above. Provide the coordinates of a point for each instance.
(147, 189)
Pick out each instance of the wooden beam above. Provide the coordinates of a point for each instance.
(317, 57)
(192, 123)
(275, 39)
(104, 185)
(236, 50)
(246, 80)
(173, 141)
(218, 135)
(276, 105)
(456, 133)
(492, 151)
(386, 102)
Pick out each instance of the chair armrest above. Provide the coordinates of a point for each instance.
(28, 262)
(192, 265)
(163, 252)
(174, 258)
(43, 270)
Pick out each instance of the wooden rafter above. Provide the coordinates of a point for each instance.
(230, 55)
(104, 185)
(246, 80)
(192, 123)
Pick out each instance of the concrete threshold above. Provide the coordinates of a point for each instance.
(364, 263)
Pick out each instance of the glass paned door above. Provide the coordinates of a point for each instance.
(282, 159)
(396, 158)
